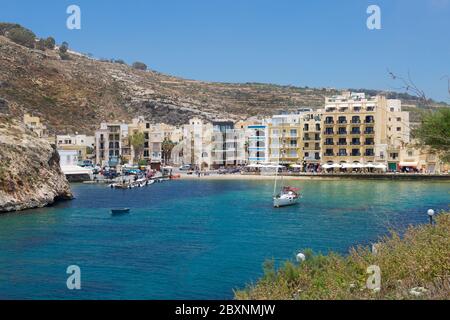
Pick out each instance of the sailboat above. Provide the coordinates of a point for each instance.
(287, 196)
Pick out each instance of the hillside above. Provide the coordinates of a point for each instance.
(77, 94)
(30, 175)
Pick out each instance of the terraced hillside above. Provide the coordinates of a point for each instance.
(78, 93)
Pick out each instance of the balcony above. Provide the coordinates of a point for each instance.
(341, 154)
(342, 143)
(342, 121)
(328, 154)
(328, 133)
(355, 121)
(328, 143)
(342, 132)
(329, 121)
(356, 154)
(369, 121)
(355, 143)
(369, 132)
(357, 132)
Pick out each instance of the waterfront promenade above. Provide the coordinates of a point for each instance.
(319, 176)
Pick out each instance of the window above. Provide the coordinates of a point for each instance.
(399, 119)
(342, 120)
(399, 129)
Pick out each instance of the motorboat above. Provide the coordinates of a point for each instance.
(116, 212)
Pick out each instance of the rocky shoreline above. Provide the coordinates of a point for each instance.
(30, 174)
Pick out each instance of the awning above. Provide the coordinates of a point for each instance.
(331, 166)
(254, 165)
(408, 164)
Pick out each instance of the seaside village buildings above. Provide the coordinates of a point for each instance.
(351, 131)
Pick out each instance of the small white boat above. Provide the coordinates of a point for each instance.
(287, 197)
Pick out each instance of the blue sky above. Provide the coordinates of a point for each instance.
(320, 43)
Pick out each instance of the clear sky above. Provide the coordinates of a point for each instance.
(320, 43)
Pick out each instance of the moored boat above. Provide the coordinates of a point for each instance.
(287, 197)
(120, 211)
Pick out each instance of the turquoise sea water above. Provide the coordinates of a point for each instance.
(194, 239)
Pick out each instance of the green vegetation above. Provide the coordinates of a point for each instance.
(137, 140)
(118, 61)
(63, 48)
(167, 147)
(5, 27)
(434, 132)
(22, 36)
(139, 66)
(419, 259)
(50, 43)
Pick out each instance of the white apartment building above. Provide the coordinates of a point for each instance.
(111, 143)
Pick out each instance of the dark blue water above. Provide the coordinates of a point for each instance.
(194, 239)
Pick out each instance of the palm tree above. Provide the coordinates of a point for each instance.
(167, 147)
(137, 140)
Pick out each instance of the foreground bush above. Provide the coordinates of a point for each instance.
(415, 266)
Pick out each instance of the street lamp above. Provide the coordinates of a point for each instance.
(430, 213)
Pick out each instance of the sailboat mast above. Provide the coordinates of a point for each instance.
(276, 169)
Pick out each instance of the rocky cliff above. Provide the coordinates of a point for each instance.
(30, 175)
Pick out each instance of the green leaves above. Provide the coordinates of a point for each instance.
(434, 132)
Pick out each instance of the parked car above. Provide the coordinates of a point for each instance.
(185, 167)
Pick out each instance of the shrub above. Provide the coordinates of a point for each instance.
(139, 66)
(22, 36)
(64, 47)
(40, 45)
(63, 51)
(5, 27)
(50, 43)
